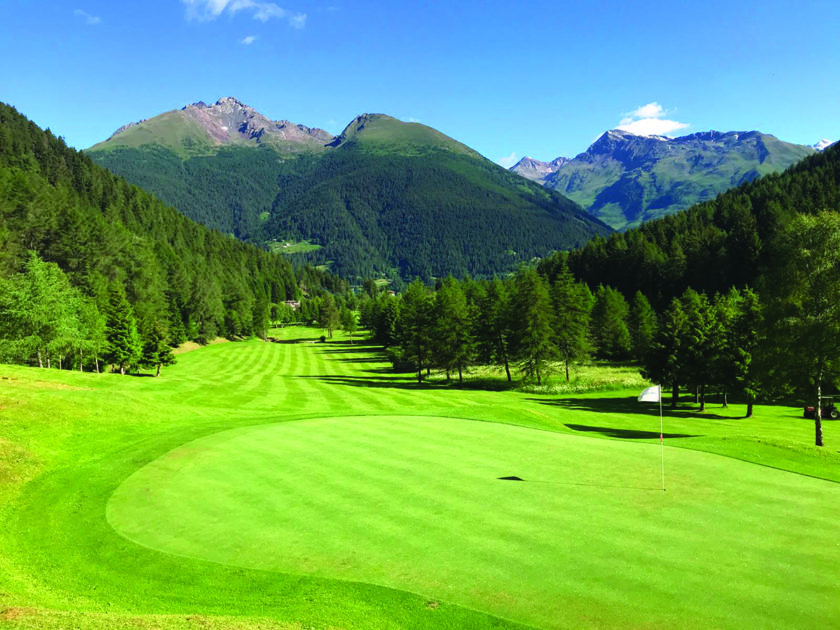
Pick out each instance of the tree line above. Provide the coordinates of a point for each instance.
(65, 222)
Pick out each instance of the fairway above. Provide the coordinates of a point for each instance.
(306, 485)
(416, 503)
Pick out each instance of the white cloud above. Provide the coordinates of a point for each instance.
(508, 160)
(298, 20)
(207, 10)
(649, 120)
(250, 39)
(89, 19)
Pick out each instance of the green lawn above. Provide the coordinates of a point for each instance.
(295, 485)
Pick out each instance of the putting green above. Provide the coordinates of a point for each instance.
(415, 503)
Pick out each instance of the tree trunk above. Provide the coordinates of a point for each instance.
(96, 362)
(749, 407)
(419, 373)
(675, 395)
(702, 394)
(122, 369)
(48, 362)
(539, 377)
(158, 370)
(725, 401)
(460, 376)
(507, 368)
(567, 370)
(80, 361)
(818, 436)
(696, 394)
(40, 359)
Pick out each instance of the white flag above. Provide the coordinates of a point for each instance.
(651, 394)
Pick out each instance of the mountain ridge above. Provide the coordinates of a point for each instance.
(626, 179)
(384, 197)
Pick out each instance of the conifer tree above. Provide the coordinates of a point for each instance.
(123, 349)
(572, 306)
(414, 329)
(533, 337)
(663, 364)
(492, 326)
(157, 351)
(453, 341)
(642, 325)
(609, 324)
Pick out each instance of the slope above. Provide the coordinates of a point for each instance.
(714, 245)
(383, 197)
(625, 179)
(103, 231)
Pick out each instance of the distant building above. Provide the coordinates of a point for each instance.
(293, 304)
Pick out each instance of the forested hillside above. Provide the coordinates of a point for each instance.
(715, 245)
(112, 252)
(385, 198)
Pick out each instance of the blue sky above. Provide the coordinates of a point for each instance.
(507, 78)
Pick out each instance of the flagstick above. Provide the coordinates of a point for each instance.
(661, 438)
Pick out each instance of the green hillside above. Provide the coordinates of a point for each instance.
(715, 245)
(384, 198)
(625, 180)
(107, 235)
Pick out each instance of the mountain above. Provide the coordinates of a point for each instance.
(201, 129)
(822, 144)
(535, 170)
(625, 179)
(384, 197)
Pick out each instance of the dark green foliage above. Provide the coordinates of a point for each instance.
(123, 349)
(608, 327)
(533, 345)
(415, 327)
(807, 309)
(664, 361)
(453, 340)
(400, 211)
(715, 245)
(100, 230)
(328, 314)
(157, 351)
(572, 304)
(493, 325)
(641, 323)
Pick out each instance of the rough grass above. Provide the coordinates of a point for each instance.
(731, 544)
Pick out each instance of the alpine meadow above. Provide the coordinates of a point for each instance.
(261, 367)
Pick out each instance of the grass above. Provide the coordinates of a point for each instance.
(300, 484)
(292, 247)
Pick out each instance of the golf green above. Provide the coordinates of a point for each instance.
(417, 504)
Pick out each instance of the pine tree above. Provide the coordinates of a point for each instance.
(157, 351)
(492, 326)
(642, 325)
(572, 306)
(663, 364)
(533, 336)
(414, 327)
(123, 349)
(609, 324)
(453, 341)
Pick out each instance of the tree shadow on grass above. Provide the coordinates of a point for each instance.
(630, 405)
(627, 434)
(392, 383)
